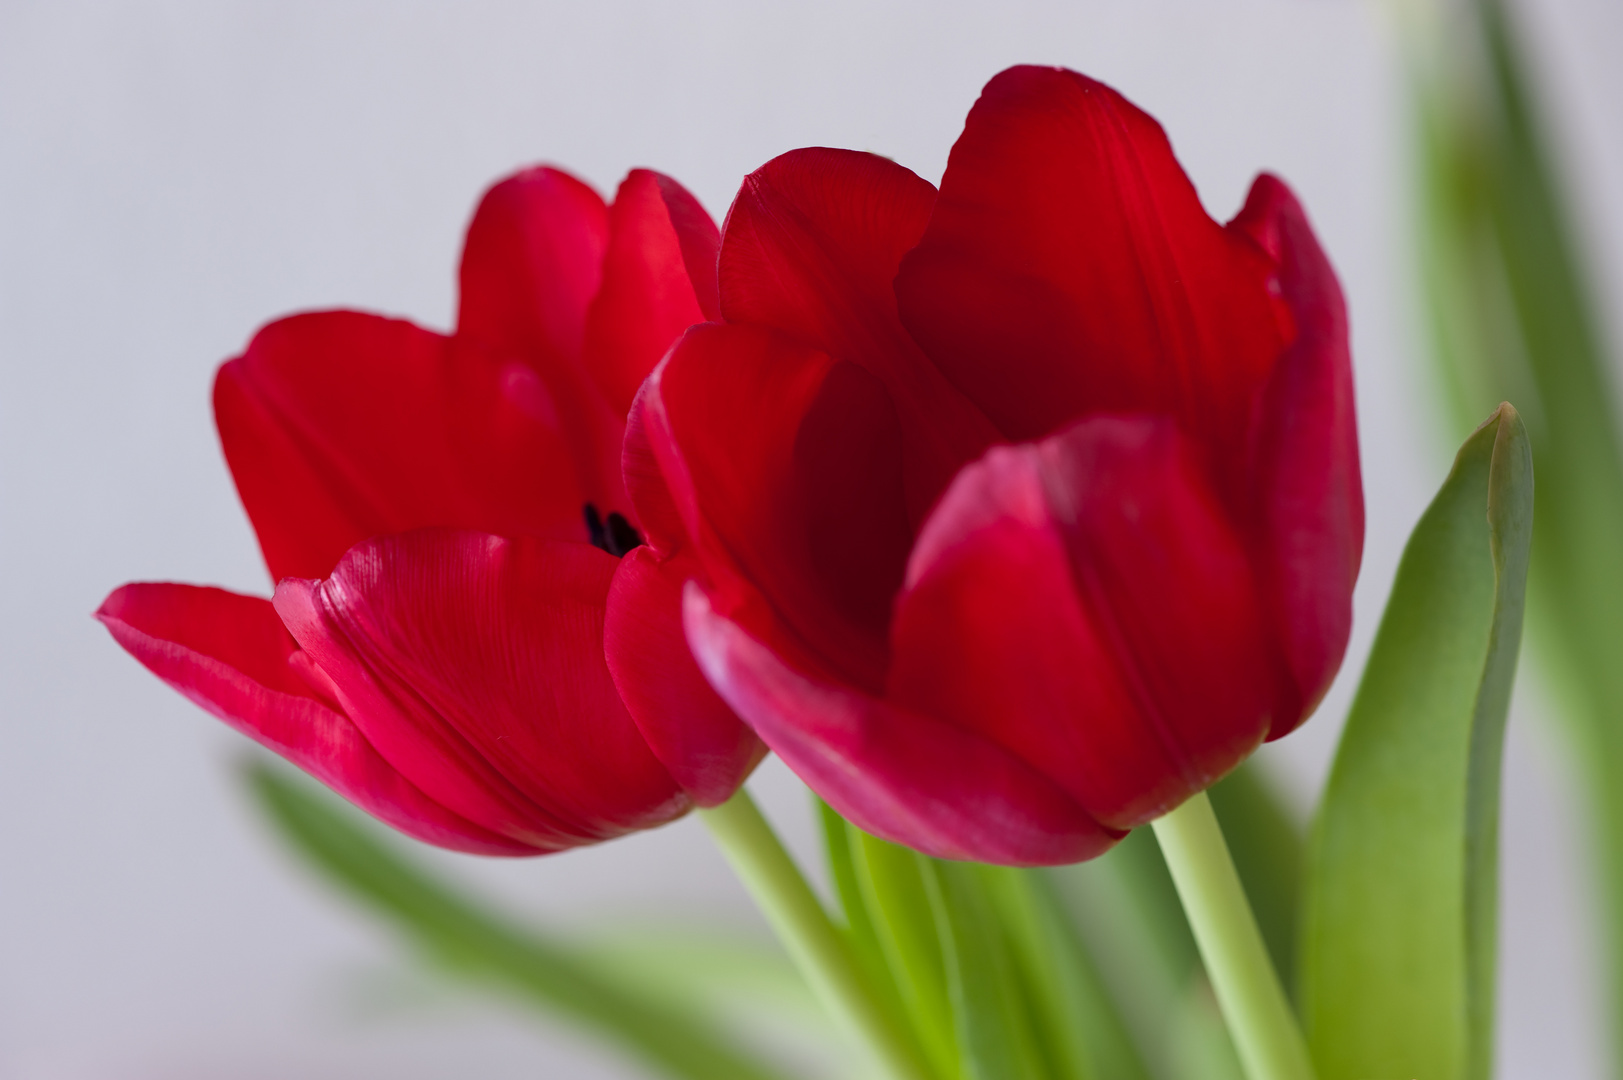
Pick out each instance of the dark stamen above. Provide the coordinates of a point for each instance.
(616, 536)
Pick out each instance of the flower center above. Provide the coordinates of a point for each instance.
(615, 536)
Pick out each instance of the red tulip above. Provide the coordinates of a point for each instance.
(1025, 509)
(470, 638)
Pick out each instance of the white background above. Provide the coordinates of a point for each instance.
(173, 174)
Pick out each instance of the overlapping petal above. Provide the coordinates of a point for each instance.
(786, 464)
(661, 254)
(1304, 454)
(906, 776)
(1069, 268)
(697, 737)
(1086, 603)
(812, 245)
(475, 665)
(231, 655)
(1095, 622)
(339, 426)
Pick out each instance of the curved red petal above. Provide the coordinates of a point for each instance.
(532, 263)
(1304, 452)
(231, 655)
(649, 295)
(787, 468)
(936, 787)
(1069, 269)
(698, 739)
(810, 248)
(339, 426)
(475, 665)
(1086, 603)
(657, 513)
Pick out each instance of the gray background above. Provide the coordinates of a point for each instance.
(172, 175)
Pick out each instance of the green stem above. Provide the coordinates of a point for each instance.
(815, 944)
(1259, 1018)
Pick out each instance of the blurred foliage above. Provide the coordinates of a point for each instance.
(632, 1007)
(1512, 318)
(1401, 909)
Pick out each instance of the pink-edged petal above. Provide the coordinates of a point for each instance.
(936, 787)
(786, 467)
(532, 263)
(698, 739)
(1086, 603)
(648, 295)
(1305, 453)
(1069, 269)
(339, 426)
(231, 655)
(810, 248)
(475, 665)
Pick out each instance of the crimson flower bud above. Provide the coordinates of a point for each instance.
(470, 638)
(1026, 508)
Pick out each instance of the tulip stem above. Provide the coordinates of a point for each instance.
(816, 945)
(1259, 1019)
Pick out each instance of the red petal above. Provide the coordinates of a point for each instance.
(648, 296)
(786, 466)
(1069, 269)
(1085, 603)
(532, 264)
(1305, 453)
(811, 247)
(700, 239)
(339, 426)
(944, 790)
(475, 665)
(656, 511)
(230, 654)
(691, 730)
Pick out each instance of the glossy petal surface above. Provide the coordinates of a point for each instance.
(231, 655)
(812, 245)
(901, 775)
(1304, 454)
(475, 665)
(703, 745)
(787, 463)
(533, 261)
(648, 295)
(1070, 269)
(339, 426)
(1085, 603)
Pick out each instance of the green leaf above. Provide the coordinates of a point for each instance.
(1513, 318)
(991, 1013)
(1075, 1018)
(893, 884)
(476, 942)
(1400, 906)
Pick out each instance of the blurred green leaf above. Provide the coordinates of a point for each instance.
(461, 933)
(893, 889)
(1127, 912)
(1513, 318)
(1400, 906)
(1075, 1017)
(991, 1013)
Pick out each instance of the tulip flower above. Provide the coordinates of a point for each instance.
(1025, 509)
(469, 638)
